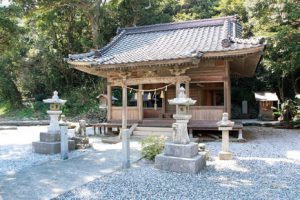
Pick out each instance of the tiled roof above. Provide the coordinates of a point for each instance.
(170, 41)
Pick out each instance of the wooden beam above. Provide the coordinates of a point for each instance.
(151, 80)
(140, 102)
(109, 103)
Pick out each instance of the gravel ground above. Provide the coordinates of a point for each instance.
(266, 167)
(16, 149)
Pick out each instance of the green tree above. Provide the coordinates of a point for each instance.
(278, 20)
(195, 9)
(10, 33)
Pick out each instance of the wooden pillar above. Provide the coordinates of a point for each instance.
(140, 102)
(163, 102)
(177, 92)
(187, 89)
(124, 107)
(109, 102)
(227, 91)
(177, 88)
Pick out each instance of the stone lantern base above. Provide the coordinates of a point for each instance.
(224, 155)
(50, 143)
(182, 158)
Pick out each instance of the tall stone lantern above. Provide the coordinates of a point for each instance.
(181, 155)
(50, 141)
(54, 112)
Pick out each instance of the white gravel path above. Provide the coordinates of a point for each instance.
(266, 167)
(16, 149)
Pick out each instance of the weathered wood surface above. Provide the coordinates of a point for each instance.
(206, 112)
(132, 113)
(124, 107)
(140, 103)
(109, 103)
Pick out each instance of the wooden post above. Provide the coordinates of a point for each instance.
(109, 102)
(177, 92)
(227, 91)
(163, 102)
(177, 88)
(140, 102)
(124, 107)
(187, 89)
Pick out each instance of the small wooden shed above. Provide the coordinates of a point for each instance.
(266, 102)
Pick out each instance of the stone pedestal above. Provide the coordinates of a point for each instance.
(54, 124)
(225, 154)
(182, 158)
(50, 144)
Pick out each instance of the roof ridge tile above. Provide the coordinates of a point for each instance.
(178, 25)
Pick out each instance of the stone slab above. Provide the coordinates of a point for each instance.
(181, 150)
(181, 165)
(49, 137)
(223, 155)
(50, 147)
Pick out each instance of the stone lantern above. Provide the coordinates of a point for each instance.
(182, 117)
(54, 112)
(50, 141)
(181, 155)
(225, 125)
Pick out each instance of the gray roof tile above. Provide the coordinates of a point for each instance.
(170, 41)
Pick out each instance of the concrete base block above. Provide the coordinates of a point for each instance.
(181, 165)
(181, 150)
(225, 155)
(49, 137)
(50, 147)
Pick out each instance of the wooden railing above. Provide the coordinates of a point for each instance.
(206, 112)
(132, 113)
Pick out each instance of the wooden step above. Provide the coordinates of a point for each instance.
(148, 133)
(155, 129)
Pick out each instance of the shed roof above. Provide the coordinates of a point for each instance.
(266, 96)
(189, 39)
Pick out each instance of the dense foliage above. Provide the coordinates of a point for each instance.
(35, 36)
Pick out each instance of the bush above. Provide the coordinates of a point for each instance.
(152, 146)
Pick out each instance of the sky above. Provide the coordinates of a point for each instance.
(4, 2)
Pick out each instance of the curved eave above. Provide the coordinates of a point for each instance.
(86, 67)
(102, 69)
(235, 53)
